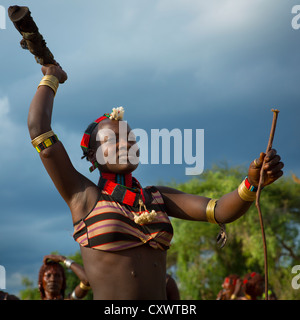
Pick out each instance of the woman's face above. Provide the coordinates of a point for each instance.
(52, 281)
(115, 148)
(228, 287)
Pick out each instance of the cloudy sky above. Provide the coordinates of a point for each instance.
(215, 65)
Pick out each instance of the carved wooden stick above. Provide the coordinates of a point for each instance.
(260, 184)
(32, 39)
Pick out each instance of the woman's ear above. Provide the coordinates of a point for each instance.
(91, 156)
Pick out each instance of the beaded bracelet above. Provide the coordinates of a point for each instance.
(44, 141)
(249, 186)
(247, 192)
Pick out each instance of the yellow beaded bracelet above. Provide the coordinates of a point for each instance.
(44, 141)
(39, 139)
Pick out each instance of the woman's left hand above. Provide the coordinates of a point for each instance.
(272, 168)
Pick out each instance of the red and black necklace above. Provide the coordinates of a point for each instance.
(131, 193)
(123, 188)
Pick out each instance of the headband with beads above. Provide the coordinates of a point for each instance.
(252, 275)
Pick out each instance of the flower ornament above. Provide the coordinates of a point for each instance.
(117, 113)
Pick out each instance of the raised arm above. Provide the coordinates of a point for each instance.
(69, 182)
(230, 206)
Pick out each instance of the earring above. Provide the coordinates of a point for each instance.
(94, 166)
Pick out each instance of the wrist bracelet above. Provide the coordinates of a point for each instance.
(67, 263)
(50, 81)
(246, 191)
(83, 286)
(249, 186)
(73, 296)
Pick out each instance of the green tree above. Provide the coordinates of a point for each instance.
(30, 292)
(199, 264)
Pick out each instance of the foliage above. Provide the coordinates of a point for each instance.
(201, 266)
(30, 292)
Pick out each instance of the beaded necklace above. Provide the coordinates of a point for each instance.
(123, 188)
(131, 193)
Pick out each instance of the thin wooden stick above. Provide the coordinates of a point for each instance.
(260, 184)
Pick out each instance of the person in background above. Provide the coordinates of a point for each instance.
(250, 288)
(228, 286)
(52, 279)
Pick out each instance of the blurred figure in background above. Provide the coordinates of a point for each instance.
(52, 279)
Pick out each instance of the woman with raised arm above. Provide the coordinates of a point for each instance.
(124, 230)
(52, 279)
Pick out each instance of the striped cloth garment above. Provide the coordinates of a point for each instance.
(110, 225)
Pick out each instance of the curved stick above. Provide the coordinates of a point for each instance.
(260, 184)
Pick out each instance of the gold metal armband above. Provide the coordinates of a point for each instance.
(210, 211)
(84, 287)
(210, 217)
(50, 81)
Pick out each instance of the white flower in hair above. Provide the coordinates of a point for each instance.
(117, 113)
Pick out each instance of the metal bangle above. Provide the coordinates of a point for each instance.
(83, 286)
(210, 211)
(73, 296)
(68, 262)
